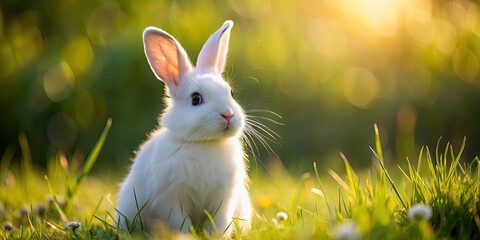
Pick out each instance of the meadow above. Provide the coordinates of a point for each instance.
(77, 98)
(434, 197)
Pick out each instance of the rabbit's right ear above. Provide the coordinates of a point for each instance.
(166, 56)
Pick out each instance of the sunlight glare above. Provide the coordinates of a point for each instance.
(381, 16)
(360, 87)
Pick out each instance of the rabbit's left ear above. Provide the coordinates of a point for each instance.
(214, 52)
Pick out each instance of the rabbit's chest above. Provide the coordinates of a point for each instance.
(206, 179)
(204, 175)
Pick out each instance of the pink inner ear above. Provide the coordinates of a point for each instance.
(161, 52)
(214, 52)
(174, 73)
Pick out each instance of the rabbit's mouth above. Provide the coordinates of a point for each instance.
(230, 129)
(227, 126)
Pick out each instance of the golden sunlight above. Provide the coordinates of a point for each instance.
(381, 16)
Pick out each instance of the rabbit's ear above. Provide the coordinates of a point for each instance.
(166, 56)
(214, 52)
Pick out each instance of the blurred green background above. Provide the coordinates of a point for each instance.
(330, 68)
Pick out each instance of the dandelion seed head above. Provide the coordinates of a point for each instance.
(420, 211)
(347, 230)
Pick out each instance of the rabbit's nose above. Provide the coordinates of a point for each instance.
(227, 115)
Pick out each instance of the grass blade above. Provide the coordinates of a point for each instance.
(92, 158)
(55, 201)
(87, 167)
(104, 222)
(395, 189)
(321, 187)
(378, 148)
(95, 210)
(420, 159)
(210, 219)
(378, 143)
(352, 178)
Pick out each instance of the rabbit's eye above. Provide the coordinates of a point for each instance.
(196, 99)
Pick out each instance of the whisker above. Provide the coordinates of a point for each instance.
(262, 127)
(248, 138)
(253, 78)
(256, 130)
(266, 119)
(250, 144)
(259, 110)
(264, 141)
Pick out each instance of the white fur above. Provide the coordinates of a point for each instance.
(194, 163)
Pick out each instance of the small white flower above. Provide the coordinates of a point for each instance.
(420, 211)
(282, 216)
(72, 226)
(347, 230)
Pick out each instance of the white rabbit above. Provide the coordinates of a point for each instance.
(194, 163)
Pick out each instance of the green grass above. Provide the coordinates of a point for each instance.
(320, 204)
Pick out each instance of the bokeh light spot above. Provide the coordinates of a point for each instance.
(420, 25)
(445, 36)
(102, 21)
(27, 38)
(251, 8)
(360, 87)
(465, 64)
(462, 14)
(58, 82)
(327, 38)
(79, 54)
